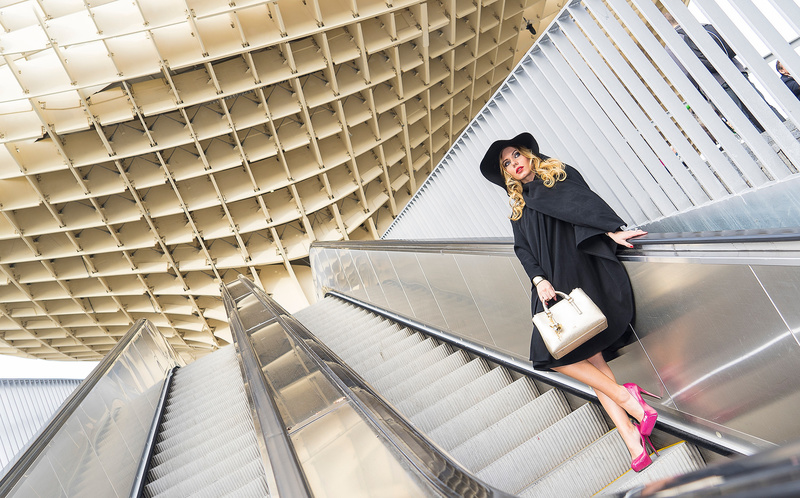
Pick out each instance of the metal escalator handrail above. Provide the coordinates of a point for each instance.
(693, 433)
(506, 244)
(420, 451)
(37, 445)
(139, 480)
(282, 459)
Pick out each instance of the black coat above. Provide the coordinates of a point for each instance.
(561, 236)
(792, 84)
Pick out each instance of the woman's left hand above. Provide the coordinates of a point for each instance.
(622, 236)
(546, 291)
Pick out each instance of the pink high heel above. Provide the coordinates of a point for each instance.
(650, 415)
(643, 461)
(652, 446)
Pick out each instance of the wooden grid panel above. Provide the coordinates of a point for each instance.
(153, 150)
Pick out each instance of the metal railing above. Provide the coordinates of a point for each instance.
(282, 461)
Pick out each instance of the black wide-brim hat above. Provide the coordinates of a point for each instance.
(490, 164)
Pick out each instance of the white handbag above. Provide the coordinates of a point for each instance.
(569, 323)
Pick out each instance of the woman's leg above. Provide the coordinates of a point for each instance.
(616, 400)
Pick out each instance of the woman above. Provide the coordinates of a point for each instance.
(566, 236)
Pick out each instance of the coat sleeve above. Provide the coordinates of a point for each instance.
(573, 201)
(525, 254)
(792, 84)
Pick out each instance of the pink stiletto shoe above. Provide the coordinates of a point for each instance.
(650, 415)
(643, 461)
(650, 444)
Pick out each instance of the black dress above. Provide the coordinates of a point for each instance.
(561, 236)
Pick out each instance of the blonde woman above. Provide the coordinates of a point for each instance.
(566, 236)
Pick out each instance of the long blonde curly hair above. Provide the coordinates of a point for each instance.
(549, 170)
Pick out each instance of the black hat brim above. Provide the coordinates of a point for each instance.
(490, 164)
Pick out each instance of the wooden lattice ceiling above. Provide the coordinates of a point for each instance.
(156, 148)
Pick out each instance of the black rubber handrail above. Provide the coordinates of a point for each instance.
(139, 480)
(789, 234)
(669, 423)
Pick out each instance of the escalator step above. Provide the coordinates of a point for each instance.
(450, 406)
(513, 430)
(398, 360)
(365, 357)
(427, 395)
(545, 451)
(677, 459)
(405, 388)
(395, 375)
(484, 413)
(368, 354)
(208, 434)
(608, 457)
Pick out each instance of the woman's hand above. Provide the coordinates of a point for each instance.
(622, 236)
(546, 291)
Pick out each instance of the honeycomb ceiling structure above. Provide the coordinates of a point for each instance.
(153, 149)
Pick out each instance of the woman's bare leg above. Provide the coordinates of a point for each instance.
(616, 400)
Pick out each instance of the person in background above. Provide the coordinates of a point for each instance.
(787, 79)
(711, 30)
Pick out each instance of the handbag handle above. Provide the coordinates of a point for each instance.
(569, 300)
(553, 323)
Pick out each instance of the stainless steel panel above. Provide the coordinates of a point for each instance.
(301, 390)
(455, 301)
(350, 272)
(719, 345)
(412, 279)
(343, 456)
(369, 279)
(633, 365)
(252, 314)
(501, 298)
(782, 284)
(339, 277)
(390, 284)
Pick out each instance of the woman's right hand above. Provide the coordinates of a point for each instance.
(546, 291)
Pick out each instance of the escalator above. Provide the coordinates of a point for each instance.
(523, 438)
(206, 444)
(350, 396)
